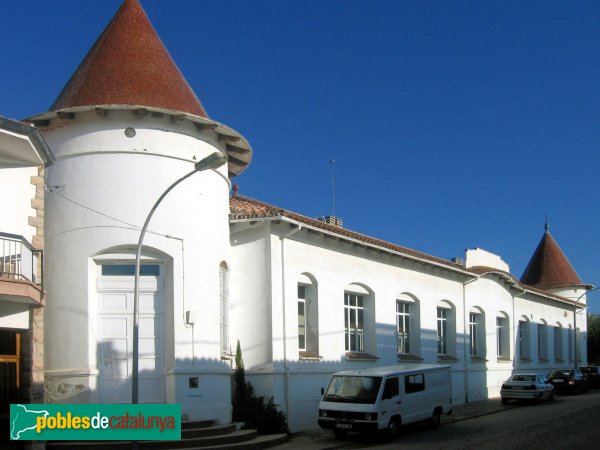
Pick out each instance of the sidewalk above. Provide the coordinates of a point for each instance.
(324, 439)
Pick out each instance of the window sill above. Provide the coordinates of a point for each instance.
(478, 359)
(408, 357)
(525, 360)
(504, 359)
(309, 356)
(543, 360)
(359, 356)
(227, 357)
(447, 359)
(559, 360)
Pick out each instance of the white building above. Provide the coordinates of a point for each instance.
(304, 298)
(22, 151)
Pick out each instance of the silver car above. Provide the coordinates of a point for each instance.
(526, 386)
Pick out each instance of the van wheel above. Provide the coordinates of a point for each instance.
(340, 434)
(504, 400)
(393, 428)
(434, 420)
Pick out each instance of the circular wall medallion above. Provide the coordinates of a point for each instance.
(129, 132)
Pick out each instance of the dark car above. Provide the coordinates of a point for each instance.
(568, 381)
(592, 375)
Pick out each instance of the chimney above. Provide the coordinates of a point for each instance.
(336, 221)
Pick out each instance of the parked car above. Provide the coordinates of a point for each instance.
(526, 386)
(592, 375)
(568, 381)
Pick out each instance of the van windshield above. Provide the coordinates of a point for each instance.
(352, 389)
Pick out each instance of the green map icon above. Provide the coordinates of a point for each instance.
(24, 420)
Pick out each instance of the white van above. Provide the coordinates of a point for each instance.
(386, 397)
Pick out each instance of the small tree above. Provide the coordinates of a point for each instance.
(593, 338)
(255, 412)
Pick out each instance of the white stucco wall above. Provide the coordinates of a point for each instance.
(296, 383)
(17, 193)
(104, 185)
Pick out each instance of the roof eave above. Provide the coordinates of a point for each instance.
(41, 151)
(237, 148)
(380, 248)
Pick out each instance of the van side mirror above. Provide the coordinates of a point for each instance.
(322, 391)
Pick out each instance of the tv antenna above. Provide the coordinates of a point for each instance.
(332, 162)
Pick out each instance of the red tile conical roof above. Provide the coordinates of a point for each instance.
(129, 65)
(549, 267)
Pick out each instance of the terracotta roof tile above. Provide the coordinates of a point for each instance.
(129, 65)
(242, 207)
(549, 267)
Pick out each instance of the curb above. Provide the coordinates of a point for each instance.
(452, 419)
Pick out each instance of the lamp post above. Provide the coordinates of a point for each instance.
(575, 325)
(212, 161)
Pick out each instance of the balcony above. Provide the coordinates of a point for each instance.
(21, 278)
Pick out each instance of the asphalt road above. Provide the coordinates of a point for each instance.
(568, 422)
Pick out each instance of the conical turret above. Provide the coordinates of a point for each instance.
(549, 268)
(129, 65)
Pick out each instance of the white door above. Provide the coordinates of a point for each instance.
(115, 331)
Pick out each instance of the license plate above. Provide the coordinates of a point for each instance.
(557, 380)
(343, 425)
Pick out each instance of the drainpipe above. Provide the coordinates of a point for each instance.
(516, 335)
(466, 351)
(286, 373)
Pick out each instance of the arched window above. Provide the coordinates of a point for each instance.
(542, 340)
(570, 342)
(579, 344)
(477, 333)
(446, 329)
(308, 316)
(502, 336)
(359, 319)
(558, 342)
(407, 325)
(524, 339)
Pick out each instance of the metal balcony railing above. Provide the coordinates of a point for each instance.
(19, 260)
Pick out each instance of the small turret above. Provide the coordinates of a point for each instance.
(550, 270)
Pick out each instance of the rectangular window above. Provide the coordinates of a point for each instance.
(498, 336)
(403, 326)
(570, 342)
(578, 342)
(502, 337)
(301, 317)
(391, 388)
(119, 270)
(414, 383)
(354, 314)
(542, 344)
(442, 331)
(473, 333)
(224, 307)
(524, 341)
(558, 351)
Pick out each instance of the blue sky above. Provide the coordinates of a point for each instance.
(453, 125)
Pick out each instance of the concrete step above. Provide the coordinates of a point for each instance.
(216, 436)
(197, 424)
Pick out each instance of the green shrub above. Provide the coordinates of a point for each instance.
(254, 411)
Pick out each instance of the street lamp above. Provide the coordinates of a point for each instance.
(212, 161)
(575, 325)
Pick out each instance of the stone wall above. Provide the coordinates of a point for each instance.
(33, 340)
